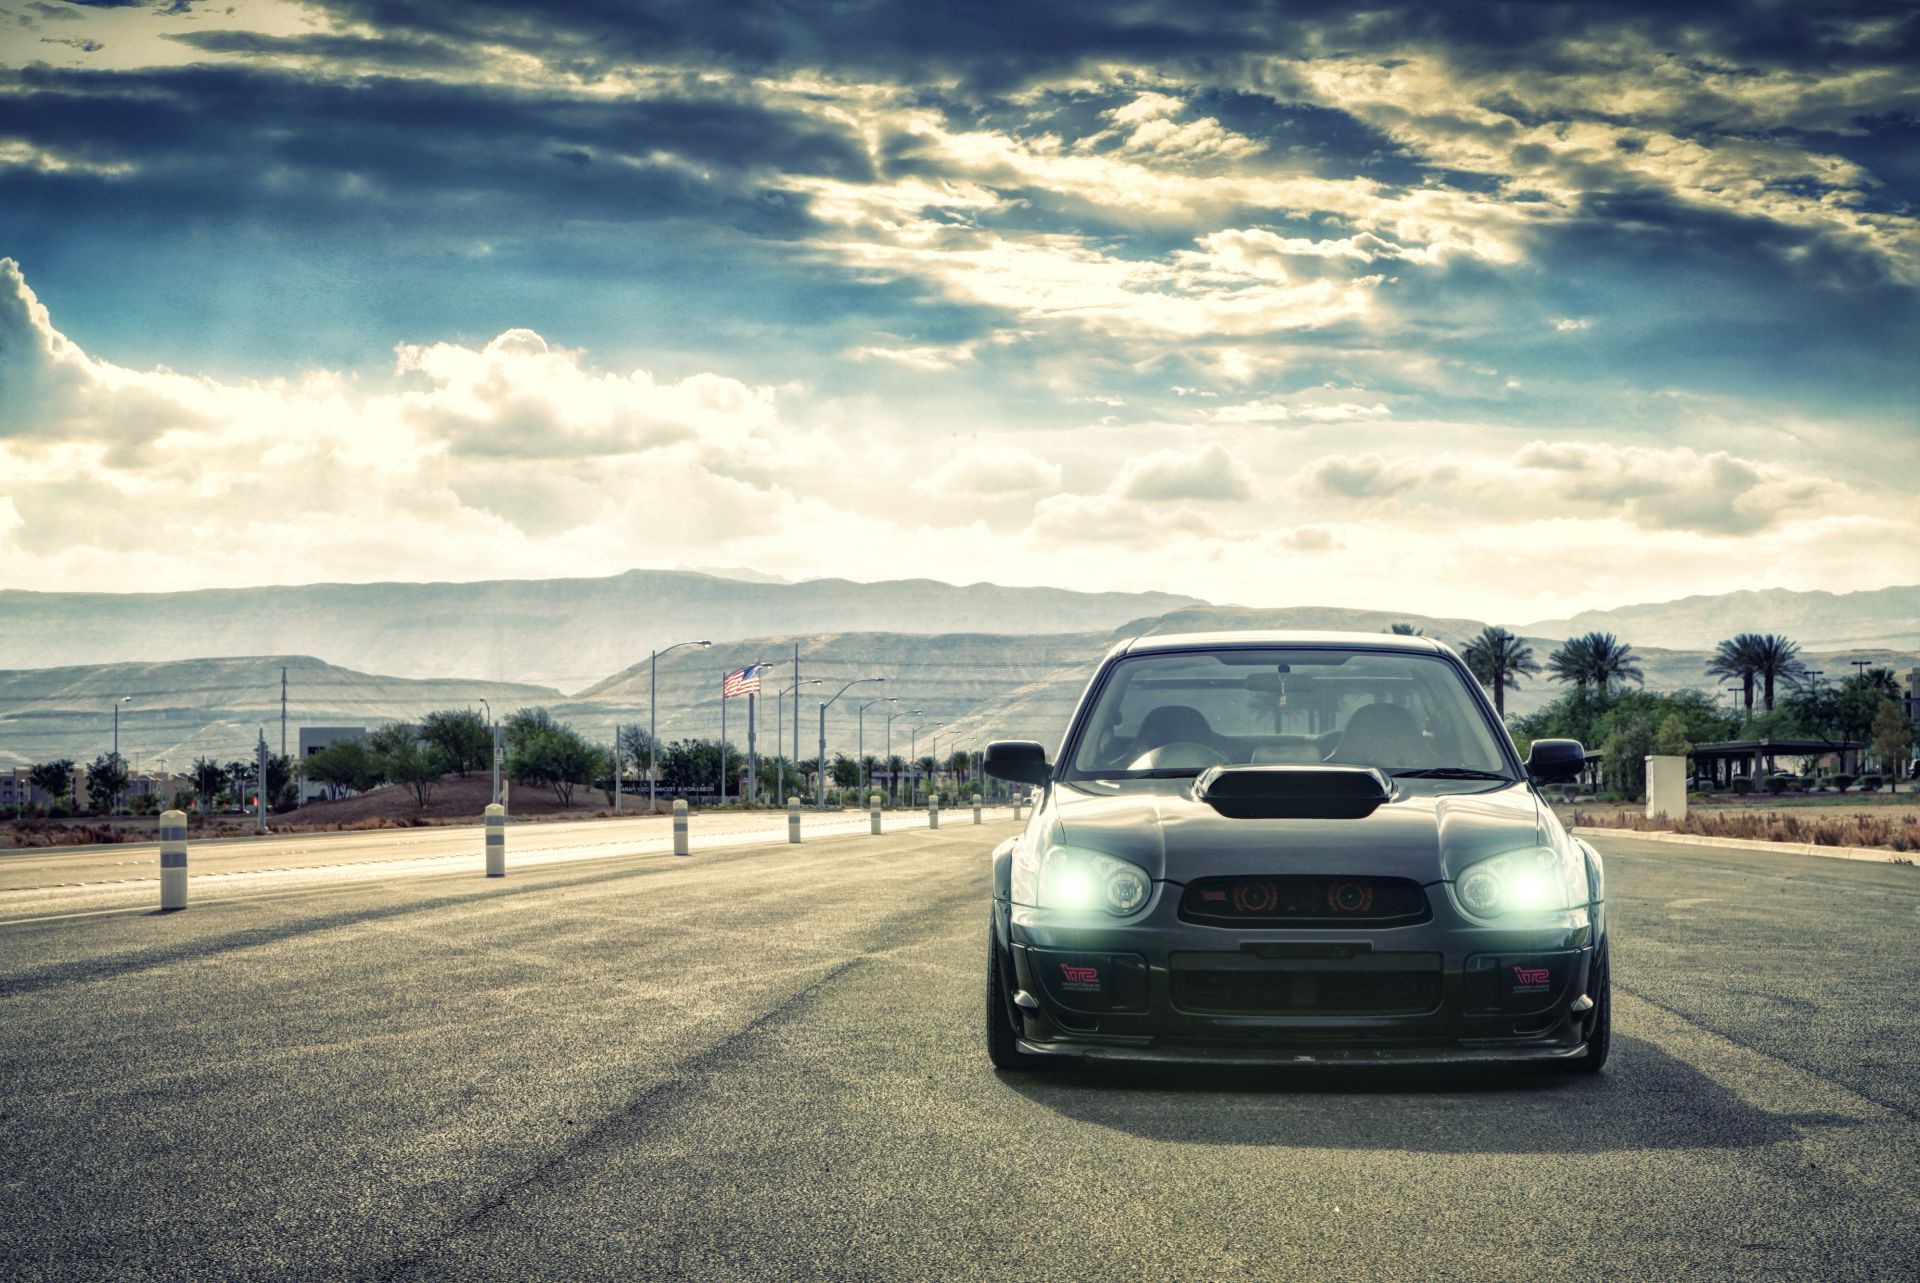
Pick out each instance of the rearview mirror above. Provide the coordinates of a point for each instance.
(1552, 761)
(1022, 761)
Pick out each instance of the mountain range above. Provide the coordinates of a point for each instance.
(1016, 679)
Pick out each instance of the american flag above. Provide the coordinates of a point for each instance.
(744, 682)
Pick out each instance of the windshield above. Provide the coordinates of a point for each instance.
(1177, 714)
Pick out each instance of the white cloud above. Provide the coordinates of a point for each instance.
(1209, 475)
(991, 473)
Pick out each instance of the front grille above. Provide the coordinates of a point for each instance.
(1304, 900)
(1232, 984)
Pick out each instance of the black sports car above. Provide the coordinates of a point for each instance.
(1293, 848)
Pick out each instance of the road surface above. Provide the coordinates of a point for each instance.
(764, 1062)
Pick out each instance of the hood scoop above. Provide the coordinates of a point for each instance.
(1292, 792)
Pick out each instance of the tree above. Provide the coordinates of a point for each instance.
(846, 771)
(525, 723)
(346, 765)
(1733, 660)
(55, 779)
(1671, 739)
(1498, 659)
(556, 755)
(105, 780)
(241, 776)
(462, 736)
(1405, 630)
(1774, 659)
(416, 764)
(637, 748)
(896, 769)
(1594, 661)
(1892, 735)
(209, 777)
(1623, 755)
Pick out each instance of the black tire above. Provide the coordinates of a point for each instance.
(1600, 1022)
(1003, 1048)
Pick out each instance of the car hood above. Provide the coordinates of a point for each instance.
(1427, 835)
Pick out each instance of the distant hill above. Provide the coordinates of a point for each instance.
(1882, 617)
(182, 709)
(562, 632)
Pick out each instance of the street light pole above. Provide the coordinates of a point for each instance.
(891, 782)
(494, 751)
(914, 774)
(866, 779)
(124, 699)
(780, 728)
(821, 790)
(653, 711)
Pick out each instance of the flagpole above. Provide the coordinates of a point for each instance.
(723, 735)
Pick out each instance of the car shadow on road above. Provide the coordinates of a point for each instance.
(1645, 1099)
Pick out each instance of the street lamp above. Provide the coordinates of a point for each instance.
(913, 748)
(124, 699)
(493, 729)
(891, 782)
(821, 790)
(780, 722)
(653, 709)
(861, 750)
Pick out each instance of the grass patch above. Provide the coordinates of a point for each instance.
(1891, 832)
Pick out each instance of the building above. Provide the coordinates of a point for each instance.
(312, 740)
(1910, 699)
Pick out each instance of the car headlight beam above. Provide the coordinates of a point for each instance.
(1518, 883)
(1082, 881)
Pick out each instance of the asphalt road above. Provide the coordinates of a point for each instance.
(765, 1063)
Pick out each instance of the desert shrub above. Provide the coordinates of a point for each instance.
(1743, 786)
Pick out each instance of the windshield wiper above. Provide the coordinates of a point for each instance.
(1448, 773)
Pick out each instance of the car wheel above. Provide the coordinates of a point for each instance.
(1003, 1047)
(1600, 1023)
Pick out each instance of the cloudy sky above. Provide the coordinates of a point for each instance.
(1494, 311)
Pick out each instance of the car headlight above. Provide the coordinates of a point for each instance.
(1078, 881)
(1534, 880)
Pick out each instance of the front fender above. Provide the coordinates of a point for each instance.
(1003, 891)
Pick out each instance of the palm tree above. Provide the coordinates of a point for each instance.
(1406, 630)
(1498, 659)
(1734, 659)
(1594, 660)
(1775, 658)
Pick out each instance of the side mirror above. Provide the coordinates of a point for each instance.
(1022, 761)
(1553, 761)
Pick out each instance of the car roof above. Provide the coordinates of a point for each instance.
(1252, 638)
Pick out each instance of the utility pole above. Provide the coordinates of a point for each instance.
(860, 752)
(616, 767)
(283, 710)
(260, 797)
(796, 706)
(493, 750)
(116, 744)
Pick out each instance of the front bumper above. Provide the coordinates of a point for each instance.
(1160, 989)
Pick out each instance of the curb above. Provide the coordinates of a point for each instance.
(1871, 854)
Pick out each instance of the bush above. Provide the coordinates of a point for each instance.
(1743, 786)
(1842, 783)
(1870, 783)
(1778, 784)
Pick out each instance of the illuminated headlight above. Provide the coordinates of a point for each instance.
(1079, 881)
(1535, 880)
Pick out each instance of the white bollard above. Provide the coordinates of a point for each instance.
(680, 826)
(1016, 806)
(496, 841)
(976, 808)
(873, 812)
(173, 859)
(933, 810)
(793, 819)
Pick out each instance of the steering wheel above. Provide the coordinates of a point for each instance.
(1178, 753)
